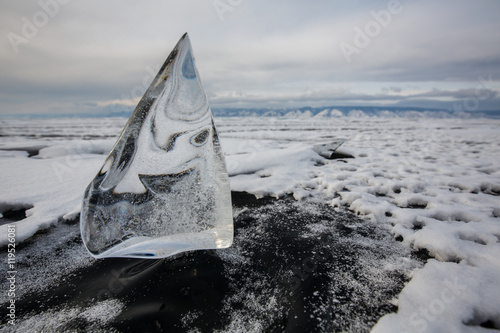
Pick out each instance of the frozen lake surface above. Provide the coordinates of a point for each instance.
(425, 192)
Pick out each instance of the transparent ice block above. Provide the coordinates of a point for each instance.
(164, 188)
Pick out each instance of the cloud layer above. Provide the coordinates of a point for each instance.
(83, 56)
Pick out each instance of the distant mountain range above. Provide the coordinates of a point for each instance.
(350, 111)
(307, 112)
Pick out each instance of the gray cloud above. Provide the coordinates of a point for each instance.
(262, 53)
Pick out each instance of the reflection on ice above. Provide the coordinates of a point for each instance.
(164, 188)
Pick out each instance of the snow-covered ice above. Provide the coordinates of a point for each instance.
(433, 183)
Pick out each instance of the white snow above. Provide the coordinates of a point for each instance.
(53, 187)
(446, 297)
(60, 320)
(435, 183)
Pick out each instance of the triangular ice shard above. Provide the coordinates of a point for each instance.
(164, 188)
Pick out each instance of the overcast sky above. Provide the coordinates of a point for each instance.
(73, 56)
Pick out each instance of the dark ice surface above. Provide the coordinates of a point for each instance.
(17, 213)
(293, 267)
